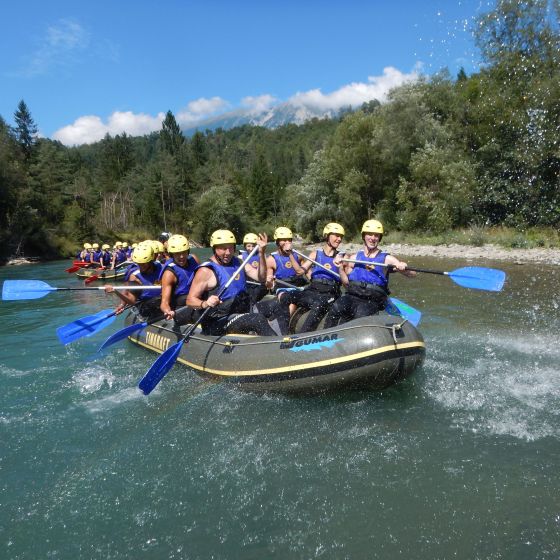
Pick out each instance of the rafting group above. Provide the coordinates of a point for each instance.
(285, 321)
(312, 283)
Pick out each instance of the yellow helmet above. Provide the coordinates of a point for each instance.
(176, 244)
(87, 245)
(118, 243)
(250, 238)
(222, 237)
(124, 244)
(372, 226)
(95, 246)
(157, 246)
(283, 233)
(105, 246)
(143, 254)
(333, 228)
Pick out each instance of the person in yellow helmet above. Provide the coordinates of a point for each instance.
(144, 271)
(282, 264)
(325, 284)
(119, 255)
(231, 312)
(367, 286)
(254, 288)
(86, 253)
(105, 256)
(176, 277)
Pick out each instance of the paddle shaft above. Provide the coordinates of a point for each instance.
(392, 267)
(335, 274)
(51, 289)
(277, 280)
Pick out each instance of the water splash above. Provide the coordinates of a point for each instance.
(503, 385)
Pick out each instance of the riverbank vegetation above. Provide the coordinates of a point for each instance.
(473, 157)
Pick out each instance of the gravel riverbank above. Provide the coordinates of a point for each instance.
(466, 252)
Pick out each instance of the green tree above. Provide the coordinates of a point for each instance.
(25, 129)
(171, 137)
(218, 208)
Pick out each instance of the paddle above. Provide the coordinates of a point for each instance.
(168, 358)
(476, 277)
(74, 268)
(86, 326)
(35, 289)
(76, 265)
(95, 277)
(396, 306)
(126, 332)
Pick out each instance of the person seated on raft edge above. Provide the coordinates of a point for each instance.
(119, 255)
(86, 254)
(95, 255)
(146, 272)
(282, 264)
(105, 256)
(254, 288)
(367, 287)
(176, 278)
(325, 287)
(231, 313)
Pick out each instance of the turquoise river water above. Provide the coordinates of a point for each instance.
(460, 461)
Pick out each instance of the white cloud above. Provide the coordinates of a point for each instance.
(60, 46)
(356, 93)
(258, 103)
(200, 109)
(91, 128)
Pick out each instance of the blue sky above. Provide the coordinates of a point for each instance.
(86, 68)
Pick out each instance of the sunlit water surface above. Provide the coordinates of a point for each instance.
(460, 461)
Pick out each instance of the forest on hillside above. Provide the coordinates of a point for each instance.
(443, 153)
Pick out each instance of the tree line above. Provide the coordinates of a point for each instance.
(442, 153)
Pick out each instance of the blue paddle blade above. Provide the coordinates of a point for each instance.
(122, 334)
(160, 368)
(86, 326)
(479, 278)
(25, 289)
(398, 307)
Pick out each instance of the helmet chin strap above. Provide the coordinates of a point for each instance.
(220, 260)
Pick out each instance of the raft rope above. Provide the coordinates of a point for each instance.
(394, 328)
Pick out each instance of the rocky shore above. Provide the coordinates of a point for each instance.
(466, 252)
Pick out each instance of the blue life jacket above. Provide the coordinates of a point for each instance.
(253, 261)
(184, 275)
(284, 268)
(223, 274)
(319, 273)
(146, 279)
(120, 256)
(105, 258)
(376, 275)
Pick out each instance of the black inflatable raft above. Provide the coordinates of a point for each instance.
(115, 274)
(375, 351)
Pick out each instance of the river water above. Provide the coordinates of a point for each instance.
(460, 461)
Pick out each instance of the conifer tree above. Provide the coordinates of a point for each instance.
(25, 130)
(170, 135)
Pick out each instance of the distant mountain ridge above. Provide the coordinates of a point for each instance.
(272, 117)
